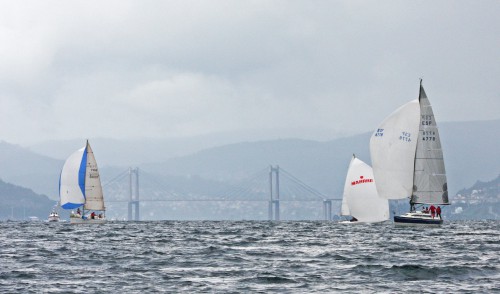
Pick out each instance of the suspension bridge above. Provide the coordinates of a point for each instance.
(272, 185)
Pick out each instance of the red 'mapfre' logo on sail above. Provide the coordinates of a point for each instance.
(361, 180)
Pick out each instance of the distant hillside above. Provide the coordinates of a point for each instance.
(116, 152)
(469, 149)
(22, 167)
(481, 201)
(18, 203)
(319, 164)
(470, 152)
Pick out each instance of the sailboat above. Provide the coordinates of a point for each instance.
(360, 199)
(407, 160)
(54, 215)
(80, 187)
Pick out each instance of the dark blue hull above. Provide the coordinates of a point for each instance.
(402, 220)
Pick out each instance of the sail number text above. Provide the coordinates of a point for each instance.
(428, 136)
(379, 133)
(426, 119)
(405, 136)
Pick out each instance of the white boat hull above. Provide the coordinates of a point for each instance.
(74, 220)
(348, 222)
(53, 217)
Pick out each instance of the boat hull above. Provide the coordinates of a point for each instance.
(53, 219)
(415, 220)
(75, 220)
(350, 222)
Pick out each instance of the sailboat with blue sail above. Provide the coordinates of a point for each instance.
(80, 188)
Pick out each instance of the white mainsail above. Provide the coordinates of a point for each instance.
(80, 181)
(392, 149)
(360, 194)
(429, 182)
(93, 190)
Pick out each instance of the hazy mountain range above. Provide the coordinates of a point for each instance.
(469, 149)
(18, 203)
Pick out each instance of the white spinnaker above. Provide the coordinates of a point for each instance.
(70, 185)
(392, 149)
(344, 210)
(362, 198)
(93, 189)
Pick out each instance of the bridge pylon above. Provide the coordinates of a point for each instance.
(327, 209)
(133, 203)
(274, 191)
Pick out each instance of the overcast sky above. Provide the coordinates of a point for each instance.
(130, 69)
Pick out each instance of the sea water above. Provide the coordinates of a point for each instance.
(248, 257)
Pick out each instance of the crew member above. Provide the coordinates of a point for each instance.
(433, 210)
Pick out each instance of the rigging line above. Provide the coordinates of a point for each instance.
(244, 185)
(169, 191)
(256, 182)
(234, 189)
(244, 188)
(310, 189)
(307, 189)
(116, 178)
(287, 189)
(296, 180)
(238, 192)
(248, 192)
(299, 191)
(160, 186)
(247, 186)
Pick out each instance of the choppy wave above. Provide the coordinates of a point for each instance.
(296, 257)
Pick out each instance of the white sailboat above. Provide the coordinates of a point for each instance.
(360, 199)
(80, 187)
(407, 160)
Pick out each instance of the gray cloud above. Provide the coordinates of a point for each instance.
(184, 68)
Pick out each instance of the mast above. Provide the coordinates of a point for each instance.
(85, 153)
(420, 90)
(412, 202)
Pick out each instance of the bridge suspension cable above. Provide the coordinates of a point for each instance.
(116, 179)
(160, 186)
(303, 186)
(246, 188)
